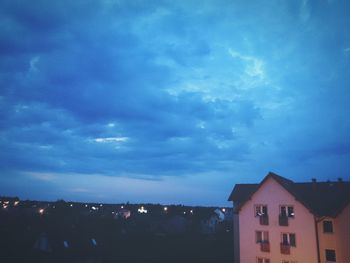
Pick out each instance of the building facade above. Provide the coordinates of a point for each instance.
(286, 222)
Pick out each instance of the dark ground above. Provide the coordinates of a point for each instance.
(117, 240)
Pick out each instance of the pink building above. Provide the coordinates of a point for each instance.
(280, 221)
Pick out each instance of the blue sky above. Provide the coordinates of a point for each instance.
(171, 101)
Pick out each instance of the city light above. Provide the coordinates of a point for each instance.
(142, 210)
(41, 211)
(16, 203)
(223, 210)
(165, 209)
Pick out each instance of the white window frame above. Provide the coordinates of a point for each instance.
(288, 238)
(264, 236)
(292, 215)
(260, 207)
(264, 260)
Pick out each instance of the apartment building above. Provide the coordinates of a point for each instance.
(281, 221)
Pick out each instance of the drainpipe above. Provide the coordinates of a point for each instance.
(317, 241)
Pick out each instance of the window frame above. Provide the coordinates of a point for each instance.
(289, 239)
(264, 236)
(335, 255)
(261, 210)
(287, 213)
(331, 226)
(263, 260)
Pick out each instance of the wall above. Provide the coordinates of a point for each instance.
(273, 195)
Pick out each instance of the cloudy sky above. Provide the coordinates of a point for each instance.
(171, 101)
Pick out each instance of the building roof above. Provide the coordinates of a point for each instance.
(321, 198)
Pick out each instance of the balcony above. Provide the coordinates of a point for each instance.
(283, 220)
(264, 220)
(265, 246)
(285, 249)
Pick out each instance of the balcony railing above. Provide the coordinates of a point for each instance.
(265, 246)
(285, 249)
(264, 220)
(283, 220)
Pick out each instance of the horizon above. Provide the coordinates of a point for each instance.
(171, 102)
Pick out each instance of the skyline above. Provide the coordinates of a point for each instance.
(163, 102)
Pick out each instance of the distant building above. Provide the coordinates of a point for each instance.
(210, 224)
(123, 213)
(281, 221)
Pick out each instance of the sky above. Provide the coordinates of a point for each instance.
(171, 102)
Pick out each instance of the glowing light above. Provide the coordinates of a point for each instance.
(223, 210)
(4, 206)
(165, 209)
(41, 211)
(191, 211)
(184, 212)
(142, 210)
(94, 208)
(16, 203)
(71, 205)
(86, 205)
(6, 202)
(122, 207)
(101, 205)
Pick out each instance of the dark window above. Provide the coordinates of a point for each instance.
(263, 260)
(328, 226)
(260, 210)
(262, 236)
(290, 211)
(283, 211)
(292, 240)
(288, 239)
(286, 211)
(330, 255)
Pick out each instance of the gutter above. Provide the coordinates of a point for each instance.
(317, 240)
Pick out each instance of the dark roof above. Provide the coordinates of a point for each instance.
(321, 198)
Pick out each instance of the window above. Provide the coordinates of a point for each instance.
(330, 255)
(287, 210)
(288, 239)
(263, 260)
(327, 226)
(262, 236)
(260, 210)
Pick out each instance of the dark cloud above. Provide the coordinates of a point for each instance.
(147, 90)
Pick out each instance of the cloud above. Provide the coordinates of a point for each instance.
(163, 89)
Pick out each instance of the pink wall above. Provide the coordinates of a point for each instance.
(273, 195)
(343, 235)
(339, 240)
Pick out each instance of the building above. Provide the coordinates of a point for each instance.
(281, 221)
